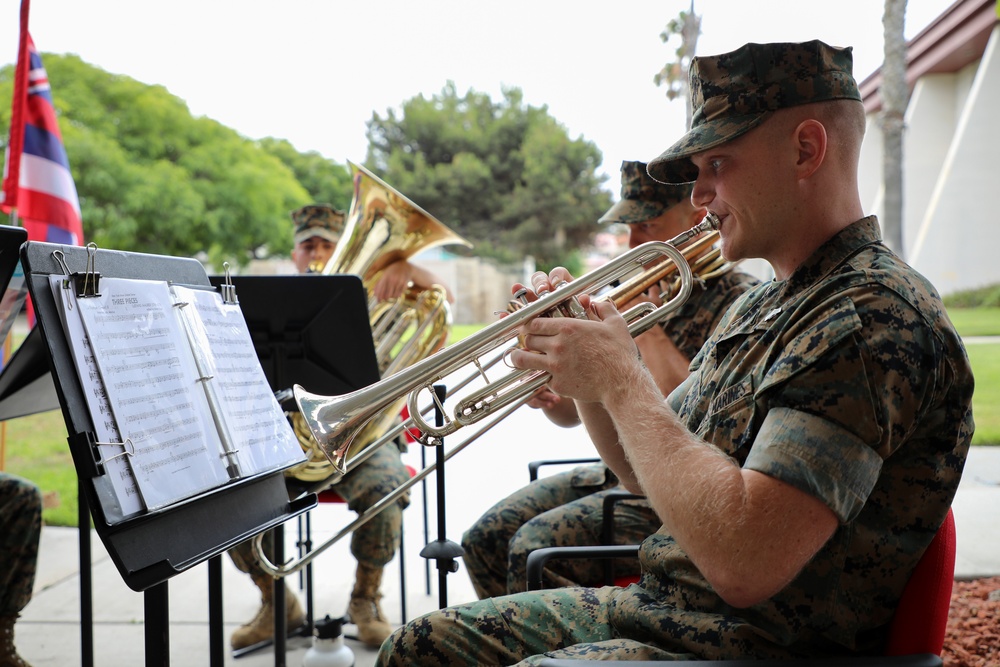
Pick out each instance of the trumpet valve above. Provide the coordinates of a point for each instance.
(572, 308)
(519, 301)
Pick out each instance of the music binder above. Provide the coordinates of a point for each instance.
(178, 399)
(148, 545)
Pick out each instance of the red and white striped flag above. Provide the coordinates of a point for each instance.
(37, 180)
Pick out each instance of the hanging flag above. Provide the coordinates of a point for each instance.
(37, 179)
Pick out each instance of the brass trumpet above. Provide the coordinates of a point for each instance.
(335, 421)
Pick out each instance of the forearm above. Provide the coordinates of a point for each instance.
(604, 435)
(423, 278)
(729, 521)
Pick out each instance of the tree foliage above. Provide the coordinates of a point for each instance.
(152, 178)
(505, 175)
(326, 181)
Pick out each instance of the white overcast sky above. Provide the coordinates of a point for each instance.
(314, 71)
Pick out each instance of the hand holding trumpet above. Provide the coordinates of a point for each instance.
(585, 357)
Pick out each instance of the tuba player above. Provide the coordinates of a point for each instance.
(318, 228)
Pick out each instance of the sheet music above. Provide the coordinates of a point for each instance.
(117, 467)
(150, 379)
(256, 425)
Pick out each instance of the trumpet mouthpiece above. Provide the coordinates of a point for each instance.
(712, 221)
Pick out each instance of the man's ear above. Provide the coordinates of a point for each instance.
(811, 143)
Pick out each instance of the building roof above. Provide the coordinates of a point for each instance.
(953, 40)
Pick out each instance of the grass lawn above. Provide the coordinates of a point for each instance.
(985, 360)
(35, 446)
(976, 321)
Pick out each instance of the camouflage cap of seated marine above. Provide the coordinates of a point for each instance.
(735, 92)
(320, 220)
(643, 198)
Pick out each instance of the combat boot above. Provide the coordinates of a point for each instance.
(365, 610)
(261, 627)
(8, 654)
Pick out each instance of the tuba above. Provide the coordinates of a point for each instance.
(383, 227)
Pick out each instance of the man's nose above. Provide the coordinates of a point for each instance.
(703, 193)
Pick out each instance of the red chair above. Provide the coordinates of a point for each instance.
(916, 632)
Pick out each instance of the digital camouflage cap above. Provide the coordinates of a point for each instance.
(735, 92)
(320, 220)
(643, 198)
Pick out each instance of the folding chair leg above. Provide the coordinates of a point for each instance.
(402, 578)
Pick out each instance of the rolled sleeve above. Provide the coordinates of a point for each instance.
(818, 457)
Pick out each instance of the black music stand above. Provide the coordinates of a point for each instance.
(309, 329)
(312, 330)
(150, 548)
(25, 384)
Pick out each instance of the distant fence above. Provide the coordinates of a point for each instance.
(480, 286)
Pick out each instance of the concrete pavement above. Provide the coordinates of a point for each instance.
(48, 635)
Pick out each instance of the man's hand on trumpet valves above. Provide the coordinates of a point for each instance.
(544, 398)
(586, 358)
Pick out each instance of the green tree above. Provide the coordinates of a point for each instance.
(152, 178)
(505, 175)
(326, 181)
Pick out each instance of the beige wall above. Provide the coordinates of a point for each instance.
(480, 286)
(950, 151)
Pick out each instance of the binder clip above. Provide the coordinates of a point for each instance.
(127, 447)
(60, 259)
(88, 282)
(89, 441)
(228, 289)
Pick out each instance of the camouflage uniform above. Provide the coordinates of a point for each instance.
(847, 381)
(566, 509)
(20, 530)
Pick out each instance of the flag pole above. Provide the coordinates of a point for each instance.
(15, 145)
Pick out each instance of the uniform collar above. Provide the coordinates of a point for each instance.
(840, 248)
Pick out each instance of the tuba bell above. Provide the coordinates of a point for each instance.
(381, 228)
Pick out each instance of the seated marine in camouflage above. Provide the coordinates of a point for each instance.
(806, 463)
(566, 508)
